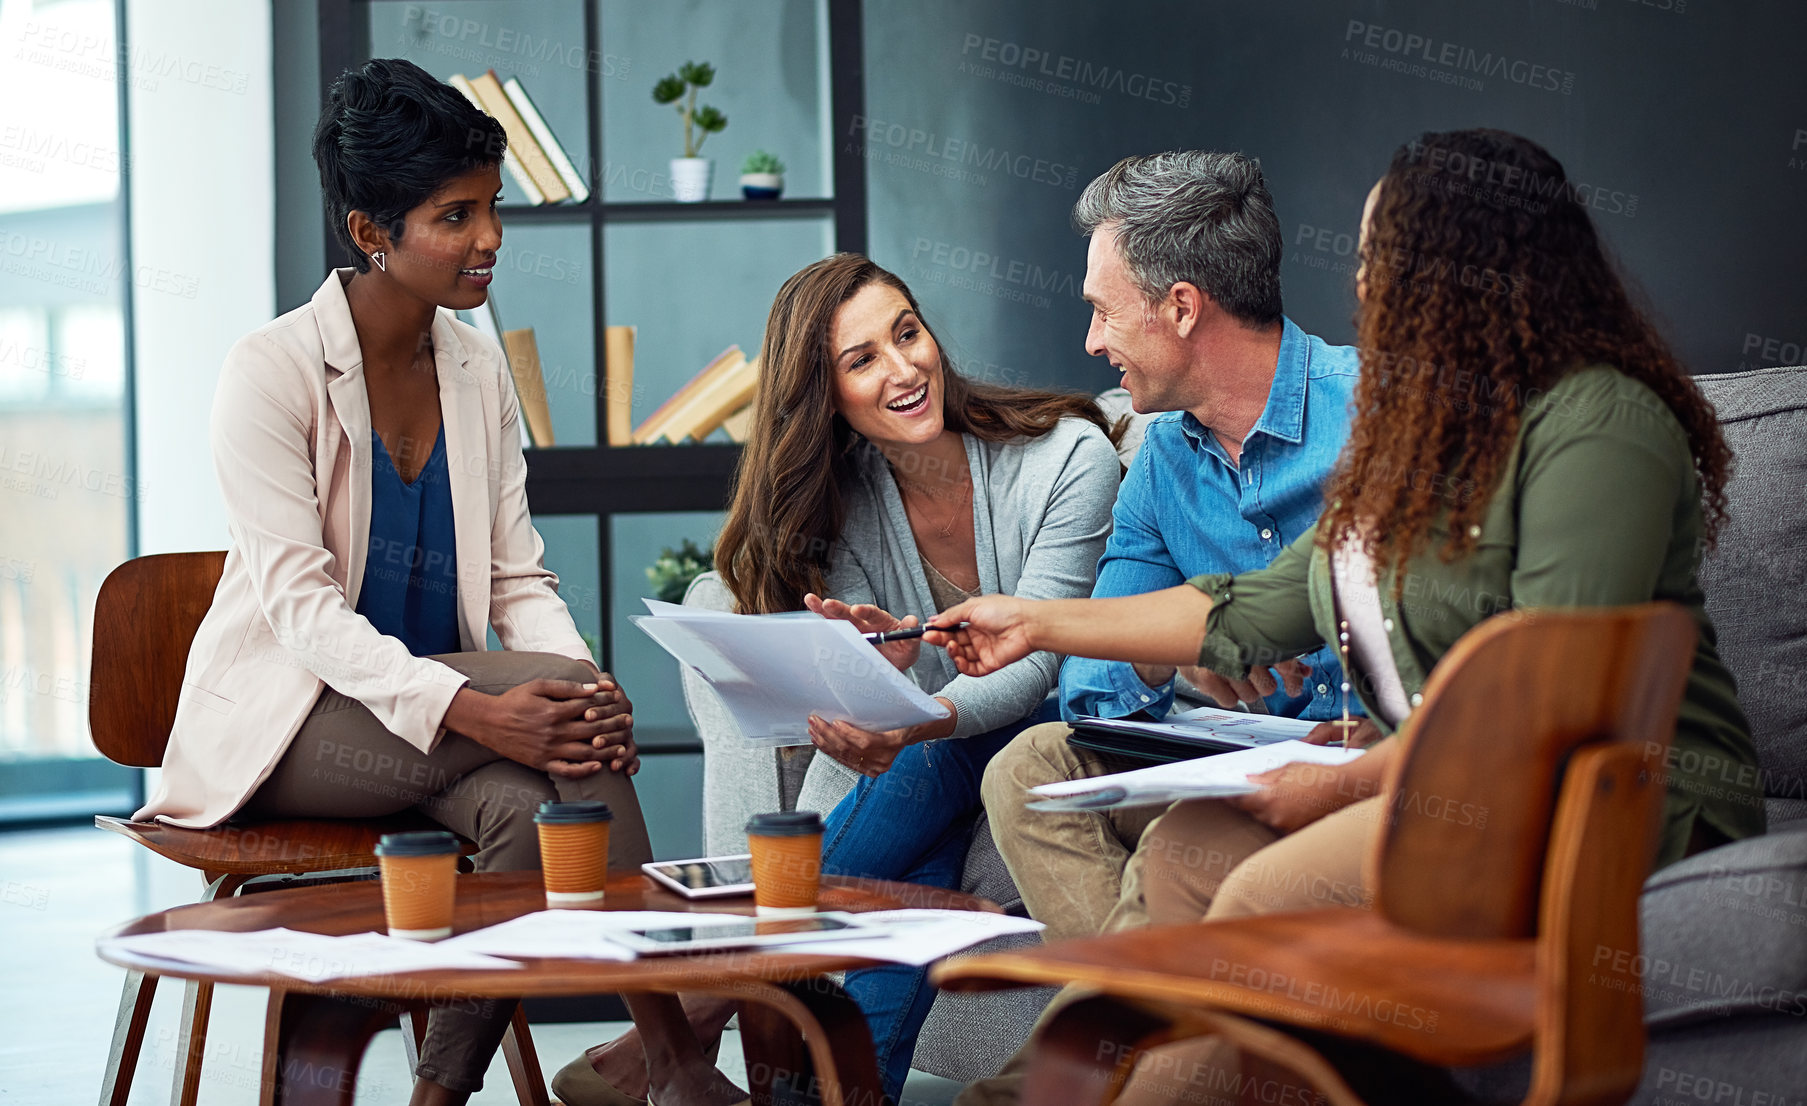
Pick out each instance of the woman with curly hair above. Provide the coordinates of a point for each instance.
(1522, 438)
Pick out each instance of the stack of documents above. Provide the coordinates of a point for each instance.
(773, 671)
(899, 936)
(919, 937)
(576, 934)
(309, 956)
(1213, 777)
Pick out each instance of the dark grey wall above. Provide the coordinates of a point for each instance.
(1687, 119)
(300, 249)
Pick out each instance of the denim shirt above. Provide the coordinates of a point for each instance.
(1185, 508)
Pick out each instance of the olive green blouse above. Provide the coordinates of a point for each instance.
(1599, 506)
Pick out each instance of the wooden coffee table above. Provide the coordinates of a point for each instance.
(804, 1038)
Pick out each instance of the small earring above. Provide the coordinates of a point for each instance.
(378, 258)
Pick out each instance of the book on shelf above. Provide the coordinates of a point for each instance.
(542, 134)
(709, 408)
(737, 425)
(489, 321)
(511, 160)
(654, 426)
(618, 378)
(520, 139)
(529, 384)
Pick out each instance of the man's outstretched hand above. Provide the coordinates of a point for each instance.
(997, 633)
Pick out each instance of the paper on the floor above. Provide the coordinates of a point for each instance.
(1212, 777)
(308, 956)
(920, 937)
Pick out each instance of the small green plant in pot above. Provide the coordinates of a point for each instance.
(761, 176)
(671, 574)
(690, 174)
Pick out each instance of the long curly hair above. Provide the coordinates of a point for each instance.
(1483, 283)
(789, 500)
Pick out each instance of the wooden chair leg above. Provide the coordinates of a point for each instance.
(197, 1006)
(128, 1037)
(1270, 1057)
(191, 1042)
(806, 1042)
(313, 1045)
(1086, 1051)
(523, 1061)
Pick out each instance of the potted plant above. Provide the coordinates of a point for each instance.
(761, 176)
(690, 174)
(671, 574)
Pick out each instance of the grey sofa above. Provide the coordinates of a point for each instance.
(1724, 933)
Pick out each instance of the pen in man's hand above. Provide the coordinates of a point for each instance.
(913, 632)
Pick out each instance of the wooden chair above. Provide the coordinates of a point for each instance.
(1515, 932)
(145, 618)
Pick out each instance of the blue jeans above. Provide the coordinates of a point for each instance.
(914, 823)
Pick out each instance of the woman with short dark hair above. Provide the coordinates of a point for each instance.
(368, 449)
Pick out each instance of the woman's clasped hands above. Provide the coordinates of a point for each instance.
(562, 727)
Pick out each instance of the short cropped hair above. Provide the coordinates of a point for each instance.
(389, 137)
(1196, 216)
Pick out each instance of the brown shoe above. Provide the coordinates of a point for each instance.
(578, 1084)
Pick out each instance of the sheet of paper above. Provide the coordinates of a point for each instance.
(308, 956)
(773, 671)
(920, 937)
(1210, 777)
(577, 934)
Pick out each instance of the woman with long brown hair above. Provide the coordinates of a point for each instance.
(879, 485)
(1522, 437)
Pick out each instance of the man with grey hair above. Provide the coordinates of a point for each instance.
(1183, 276)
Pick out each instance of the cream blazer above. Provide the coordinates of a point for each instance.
(291, 443)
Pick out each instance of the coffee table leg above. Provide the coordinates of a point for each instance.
(313, 1045)
(807, 1042)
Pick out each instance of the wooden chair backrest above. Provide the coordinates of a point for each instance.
(1471, 798)
(145, 618)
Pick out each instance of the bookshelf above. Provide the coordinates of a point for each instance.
(594, 480)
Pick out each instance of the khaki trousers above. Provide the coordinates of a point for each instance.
(344, 764)
(1076, 870)
(1203, 859)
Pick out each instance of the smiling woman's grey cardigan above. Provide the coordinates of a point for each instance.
(1041, 515)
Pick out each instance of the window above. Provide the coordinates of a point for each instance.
(65, 479)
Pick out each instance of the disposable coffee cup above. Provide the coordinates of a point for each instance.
(574, 850)
(787, 862)
(420, 873)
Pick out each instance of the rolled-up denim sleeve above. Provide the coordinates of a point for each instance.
(1260, 617)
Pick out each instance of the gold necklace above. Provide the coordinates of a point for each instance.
(947, 530)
